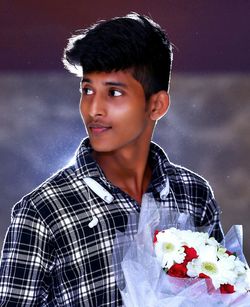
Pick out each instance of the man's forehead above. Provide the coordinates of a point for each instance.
(121, 77)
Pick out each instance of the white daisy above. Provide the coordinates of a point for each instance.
(193, 239)
(168, 248)
(242, 283)
(221, 271)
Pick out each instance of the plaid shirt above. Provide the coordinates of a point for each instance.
(51, 257)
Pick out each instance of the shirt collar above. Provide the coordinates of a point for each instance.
(161, 166)
(86, 166)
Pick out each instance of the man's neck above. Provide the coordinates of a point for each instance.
(127, 169)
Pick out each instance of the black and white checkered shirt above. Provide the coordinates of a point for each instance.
(51, 257)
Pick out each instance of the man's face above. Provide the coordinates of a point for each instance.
(114, 111)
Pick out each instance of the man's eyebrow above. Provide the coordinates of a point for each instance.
(107, 83)
(85, 80)
(113, 83)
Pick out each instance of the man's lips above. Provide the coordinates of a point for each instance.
(98, 128)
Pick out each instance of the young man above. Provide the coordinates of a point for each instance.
(58, 249)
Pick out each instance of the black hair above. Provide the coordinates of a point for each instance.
(133, 42)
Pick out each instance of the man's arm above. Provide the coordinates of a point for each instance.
(27, 259)
(211, 217)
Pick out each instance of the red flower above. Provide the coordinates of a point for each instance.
(178, 270)
(230, 253)
(201, 275)
(155, 234)
(190, 253)
(226, 288)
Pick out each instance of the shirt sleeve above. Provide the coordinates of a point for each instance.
(27, 259)
(211, 217)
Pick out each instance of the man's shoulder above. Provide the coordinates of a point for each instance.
(60, 179)
(56, 187)
(187, 176)
(176, 173)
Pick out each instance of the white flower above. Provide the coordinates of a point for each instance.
(192, 239)
(240, 266)
(212, 241)
(221, 271)
(213, 260)
(227, 271)
(242, 283)
(221, 253)
(196, 239)
(168, 248)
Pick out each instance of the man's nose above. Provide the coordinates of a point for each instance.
(97, 106)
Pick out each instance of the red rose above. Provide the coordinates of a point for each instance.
(155, 234)
(201, 275)
(226, 288)
(230, 253)
(190, 253)
(178, 270)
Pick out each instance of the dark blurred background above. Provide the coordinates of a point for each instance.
(207, 128)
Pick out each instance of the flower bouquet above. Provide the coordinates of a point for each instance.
(183, 253)
(179, 265)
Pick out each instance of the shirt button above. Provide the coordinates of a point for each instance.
(164, 196)
(108, 198)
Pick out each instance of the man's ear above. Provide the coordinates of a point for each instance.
(159, 104)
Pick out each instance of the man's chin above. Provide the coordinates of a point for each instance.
(100, 147)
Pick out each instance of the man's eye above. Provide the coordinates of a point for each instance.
(115, 93)
(87, 91)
